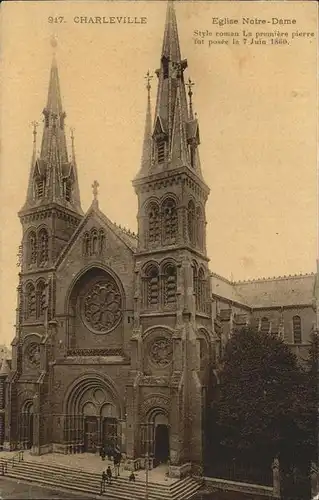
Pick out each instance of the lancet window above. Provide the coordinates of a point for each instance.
(296, 323)
(154, 224)
(151, 291)
(40, 299)
(170, 284)
(67, 187)
(39, 188)
(43, 253)
(191, 222)
(199, 228)
(160, 150)
(200, 286)
(30, 302)
(169, 214)
(93, 242)
(32, 248)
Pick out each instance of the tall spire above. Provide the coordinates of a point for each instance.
(171, 48)
(147, 142)
(53, 177)
(175, 134)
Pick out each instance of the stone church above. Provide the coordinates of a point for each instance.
(118, 335)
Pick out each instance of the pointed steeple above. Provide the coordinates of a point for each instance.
(171, 49)
(146, 160)
(53, 177)
(175, 134)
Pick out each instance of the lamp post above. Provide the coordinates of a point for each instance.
(146, 475)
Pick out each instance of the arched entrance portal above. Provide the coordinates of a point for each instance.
(93, 416)
(161, 439)
(155, 433)
(26, 426)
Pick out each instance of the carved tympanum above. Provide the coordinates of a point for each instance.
(33, 354)
(161, 351)
(102, 307)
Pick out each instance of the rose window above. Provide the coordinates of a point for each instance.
(33, 354)
(161, 351)
(102, 307)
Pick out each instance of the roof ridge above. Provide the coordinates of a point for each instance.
(274, 278)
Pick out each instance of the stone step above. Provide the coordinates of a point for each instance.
(90, 482)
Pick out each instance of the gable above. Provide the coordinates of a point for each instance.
(96, 238)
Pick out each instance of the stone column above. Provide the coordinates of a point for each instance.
(35, 450)
(276, 478)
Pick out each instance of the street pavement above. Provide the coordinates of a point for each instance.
(16, 490)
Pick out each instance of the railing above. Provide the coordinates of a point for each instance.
(4, 463)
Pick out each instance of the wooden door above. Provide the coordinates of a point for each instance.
(91, 434)
(109, 433)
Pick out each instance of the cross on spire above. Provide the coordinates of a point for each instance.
(190, 84)
(95, 187)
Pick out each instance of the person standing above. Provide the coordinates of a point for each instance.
(104, 478)
(109, 475)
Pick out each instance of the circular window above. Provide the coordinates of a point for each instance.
(102, 306)
(33, 354)
(161, 351)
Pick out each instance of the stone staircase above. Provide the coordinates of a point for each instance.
(77, 480)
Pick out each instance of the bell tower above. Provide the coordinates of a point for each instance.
(170, 160)
(171, 338)
(52, 209)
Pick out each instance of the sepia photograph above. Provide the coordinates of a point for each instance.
(159, 250)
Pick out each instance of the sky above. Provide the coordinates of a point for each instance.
(256, 107)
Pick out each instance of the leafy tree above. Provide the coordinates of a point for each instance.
(309, 397)
(260, 385)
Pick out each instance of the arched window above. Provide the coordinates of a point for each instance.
(43, 247)
(160, 151)
(199, 228)
(152, 287)
(32, 248)
(67, 189)
(40, 299)
(191, 222)
(170, 284)
(101, 241)
(39, 188)
(30, 302)
(154, 224)
(195, 284)
(86, 244)
(169, 218)
(201, 290)
(296, 323)
(94, 242)
(264, 325)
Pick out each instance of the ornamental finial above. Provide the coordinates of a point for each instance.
(148, 79)
(190, 84)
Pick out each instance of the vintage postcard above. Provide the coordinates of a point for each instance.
(159, 203)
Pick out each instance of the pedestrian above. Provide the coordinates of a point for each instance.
(109, 475)
(132, 477)
(104, 478)
(117, 462)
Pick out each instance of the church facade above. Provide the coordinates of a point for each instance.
(117, 334)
